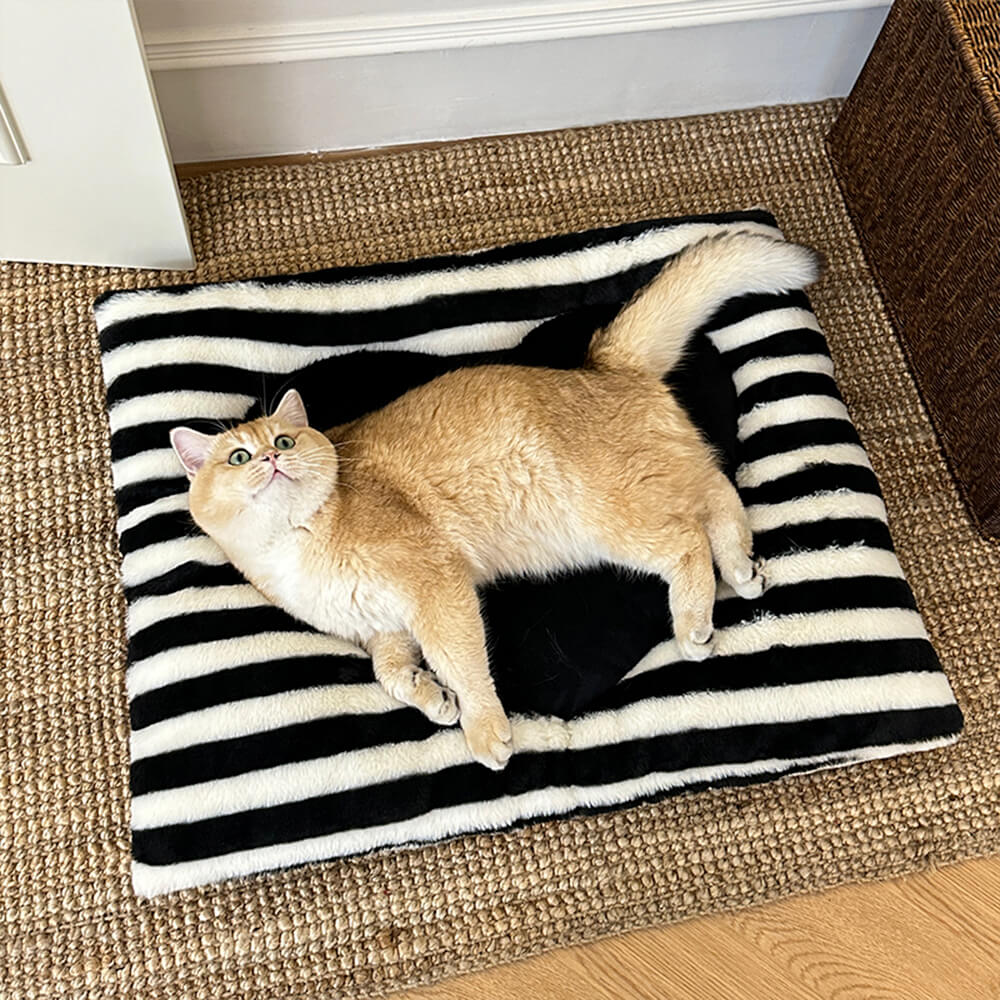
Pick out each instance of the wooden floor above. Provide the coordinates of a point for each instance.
(934, 936)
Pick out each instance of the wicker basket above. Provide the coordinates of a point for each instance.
(917, 152)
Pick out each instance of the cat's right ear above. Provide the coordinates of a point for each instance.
(192, 448)
(292, 410)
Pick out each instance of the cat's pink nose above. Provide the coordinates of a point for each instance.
(271, 456)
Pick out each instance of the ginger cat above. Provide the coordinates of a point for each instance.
(380, 531)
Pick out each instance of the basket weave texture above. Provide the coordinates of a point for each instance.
(916, 150)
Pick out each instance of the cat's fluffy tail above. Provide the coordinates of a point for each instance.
(649, 335)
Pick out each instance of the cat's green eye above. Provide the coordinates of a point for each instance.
(239, 457)
(283, 442)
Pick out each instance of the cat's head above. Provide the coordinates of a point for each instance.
(259, 477)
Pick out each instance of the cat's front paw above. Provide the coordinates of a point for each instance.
(489, 738)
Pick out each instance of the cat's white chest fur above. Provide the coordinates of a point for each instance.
(340, 598)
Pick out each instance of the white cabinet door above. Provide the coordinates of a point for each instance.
(96, 185)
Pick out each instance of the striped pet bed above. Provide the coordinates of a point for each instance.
(258, 743)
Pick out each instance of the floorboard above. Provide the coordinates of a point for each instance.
(931, 936)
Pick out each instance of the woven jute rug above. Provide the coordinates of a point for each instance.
(72, 926)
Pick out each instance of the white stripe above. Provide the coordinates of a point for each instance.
(761, 325)
(833, 563)
(178, 406)
(260, 715)
(707, 710)
(784, 463)
(790, 411)
(818, 507)
(451, 821)
(763, 368)
(182, 663)
(147, 611)
(585, 265)
(462, 339)
(275, 358)
(162, 557)
(253, 355)
(157, 463)
(164, 505)
(804, 630)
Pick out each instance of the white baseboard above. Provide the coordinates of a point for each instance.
(229, 89)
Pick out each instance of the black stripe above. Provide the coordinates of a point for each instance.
(255, 680)
(184, 377)
(463, 785)
(165, 527)
(842, 531)
(156, 433)
(287, 745)
(776, 666)
(779, 387)
(824, 478)
(813, 596)
(189, 574)
(139, 494)
(736, 781)
(779, 345)
(210, 626)
(800, 434)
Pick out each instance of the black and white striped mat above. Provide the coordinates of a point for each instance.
(258, 743)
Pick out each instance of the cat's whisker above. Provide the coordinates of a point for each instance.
(281, 388)
(264, 406)
(307, 461)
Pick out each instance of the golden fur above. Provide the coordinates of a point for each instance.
(381, 530)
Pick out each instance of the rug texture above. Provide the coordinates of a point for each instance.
(258, 743)
(362, 926)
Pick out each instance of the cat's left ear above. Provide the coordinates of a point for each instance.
(291, 410)
(192, 448)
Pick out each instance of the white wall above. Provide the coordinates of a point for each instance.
(259, 77)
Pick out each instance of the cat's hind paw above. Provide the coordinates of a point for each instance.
(757, 583)
(697, 644)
